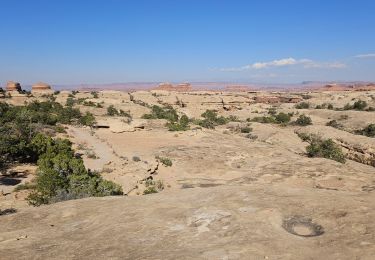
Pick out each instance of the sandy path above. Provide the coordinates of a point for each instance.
(101, 148)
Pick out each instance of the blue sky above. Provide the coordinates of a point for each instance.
(106, 41)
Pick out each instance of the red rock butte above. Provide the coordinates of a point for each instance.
(40, 86)
(13, 86)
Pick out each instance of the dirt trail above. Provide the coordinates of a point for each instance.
(101, 148)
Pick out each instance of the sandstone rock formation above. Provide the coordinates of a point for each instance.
(179, 87)
(13, 86)
(41, 87)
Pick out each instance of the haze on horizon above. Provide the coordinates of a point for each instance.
(74, 42)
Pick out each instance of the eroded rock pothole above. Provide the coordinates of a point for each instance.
(302, 226)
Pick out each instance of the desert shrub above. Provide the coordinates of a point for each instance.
(302, 105)
(88, 119)
(334, 124)
(159, 185)
(264, 119)
(251, 136)
(74, 92)
(368, 131)
(232, 118)
(124, 113)
(246, 129)
(60, 129)
(19, 125)
(360, 105)
(112, 111)
(304, 137)
(60, 172)
(136, 159)
(343, 117)
(165, 161)
(89, 103)
(282, 118)
(157, 112)
(330, 106)
(150, 190)
(303, 120)
(153, 186)
(70, 101)
(181, 125)
(94, 94)
(272, 111)
(326, 149)
(56, 92)
(211, 119)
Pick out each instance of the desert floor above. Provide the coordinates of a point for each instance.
(226, 196)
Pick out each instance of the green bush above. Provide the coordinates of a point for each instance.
(326, 149)
(264, 119)
(368, 130)
(304, 137)
(181, 125)
(164, 160)
(20, 124)
(302, 105)
(168, 113)
(303, 120)
(359, 105)
(94, 94)
(334, 124)
(59, 172)
(88, 119)
(150, 190)
(246, 130)
(112, 111)
(211, 119)
(282, 118)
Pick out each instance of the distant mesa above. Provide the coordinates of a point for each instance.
(13, 86)
(348, 87)
(170, 87)
(41, 87)
(238, 88)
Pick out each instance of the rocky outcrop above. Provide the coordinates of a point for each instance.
(364, 155)
(13, 86)
(41, 87)
(170, 87)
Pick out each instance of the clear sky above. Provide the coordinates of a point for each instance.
(107, 41)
